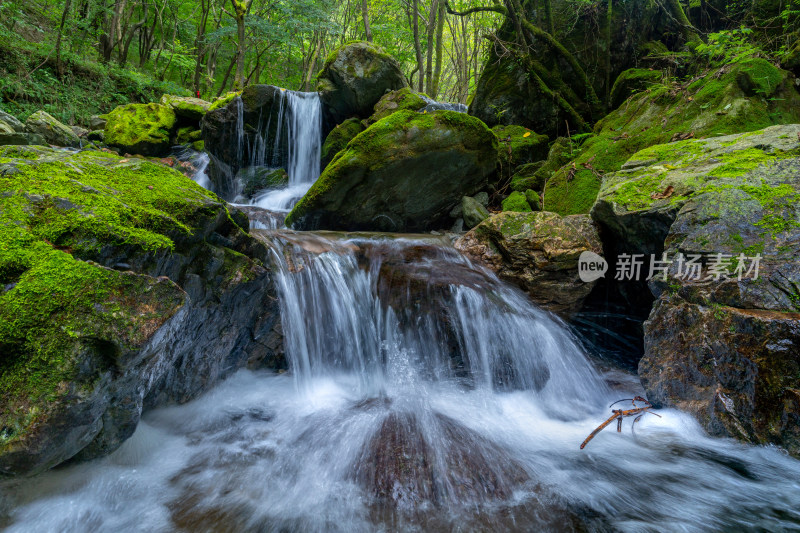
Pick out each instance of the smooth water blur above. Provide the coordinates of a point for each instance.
(423, 395)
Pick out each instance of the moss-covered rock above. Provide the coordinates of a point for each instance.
(338, 138)
(21, 139)
(187, 135)
(90, 330)
(404, 173)
(517, 202)
(53, 131)
(632, 81)
(745, 96)
(537, 251)
(256, 179)
(534, 175)
(405, 99)
(534, 200)
(186, 106)
(717, 343)
(11, 123)
(224, 100)
(144, 129)
(354, 78)
(518, 146)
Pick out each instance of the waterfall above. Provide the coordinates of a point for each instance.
(299, 126)
(423, 394)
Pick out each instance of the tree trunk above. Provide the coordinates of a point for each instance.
(365, 15)
(417, 45)
(674, 8)
(429, 52)
(59, 65)
(437, 74)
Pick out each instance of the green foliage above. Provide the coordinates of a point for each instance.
(728, 46)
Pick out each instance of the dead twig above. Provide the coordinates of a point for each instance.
(619, 414)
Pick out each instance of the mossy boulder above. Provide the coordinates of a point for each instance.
(256, 179)
(53, 131)
(354, 78)
(632, 81)
(224, 100)
(338, 138)
(533, 176)
(188, 135)
(534, 200)
(538, 252)
(518, 146)
(144, 129)
(517, 202)
(119, 288)
(405, 99)
(186, 106)
(745, 96)
(11, 124)
(404, 173)
(718, 342)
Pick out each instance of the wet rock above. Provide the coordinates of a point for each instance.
(81, 365)
(337, 139)
(718, 340)
(21, 139)
(53, 131)
(256, 179)
(354, 78)
(405, 173)
(537, 251)
(145, 129)
(473, 212)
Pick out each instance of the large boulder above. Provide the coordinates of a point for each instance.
(720, 340)
(748, 95)
(186, 106)
(354, 78)
(53, 131)
(145, 129)
(539, 252)
(10, 124)
(404, 173)
(519, 146)
(123, 285)
(405, 99)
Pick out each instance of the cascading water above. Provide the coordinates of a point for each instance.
(424, 394)
(300, 116)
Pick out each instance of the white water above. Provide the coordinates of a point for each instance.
(462, 408)
(301, 115)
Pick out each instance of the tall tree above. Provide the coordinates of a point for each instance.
(240, 9)
(365, 16)
(64, 15)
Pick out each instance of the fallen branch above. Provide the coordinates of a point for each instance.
(619, 414)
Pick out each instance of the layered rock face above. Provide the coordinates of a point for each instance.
(721, 340)
(537, 251)
(404, 173)
(123, 284)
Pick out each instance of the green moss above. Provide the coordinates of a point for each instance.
(405, 99)
(742, 97)
(516, 201)
(338, 138)
(224, 100)
(383, 142)
(199, 146)
(140, 127)
(519, 145)
(632, 81)
(54, 208)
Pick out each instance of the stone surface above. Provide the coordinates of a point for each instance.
(404, 173)
(720, 344)
(354, 78)
(473, 212)
(632, 81)
(53, 131)
(338, 138)
(405, 99)
(21, 139)
(538, 252)
(12, 123)
(256, 179)
(144, 129)
(518, 146)
(186, 106)
(154, 292)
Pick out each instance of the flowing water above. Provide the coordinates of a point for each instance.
(423, 395)
(300, 119)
